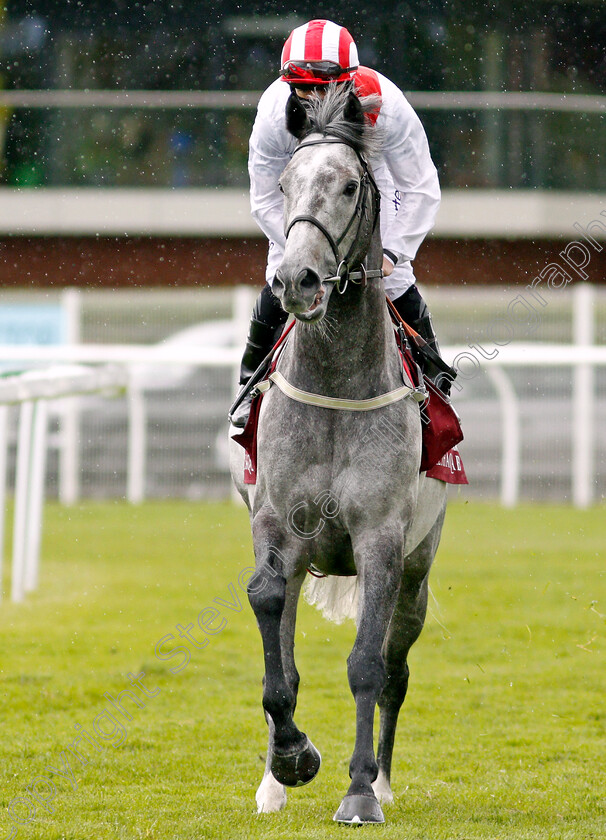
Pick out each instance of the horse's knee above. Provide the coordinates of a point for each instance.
(395, 687)
(267, 593)
(365, 671)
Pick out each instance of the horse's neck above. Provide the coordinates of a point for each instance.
(352, 353)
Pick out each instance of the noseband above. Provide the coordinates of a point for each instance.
(367, 185)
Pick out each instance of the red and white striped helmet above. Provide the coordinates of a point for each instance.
(317, 53)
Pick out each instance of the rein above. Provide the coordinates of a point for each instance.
(367, 184)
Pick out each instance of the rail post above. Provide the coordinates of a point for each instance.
(583, 398)
(3, 466)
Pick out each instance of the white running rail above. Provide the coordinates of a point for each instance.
(32, 391)
(94, 368)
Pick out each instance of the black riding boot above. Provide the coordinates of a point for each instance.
(266, 324)
(413, 309)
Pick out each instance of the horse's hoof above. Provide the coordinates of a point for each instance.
(356, 809)
(297, 768)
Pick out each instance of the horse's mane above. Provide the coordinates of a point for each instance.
(326, 116)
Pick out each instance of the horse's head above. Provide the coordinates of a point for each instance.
(330, 201)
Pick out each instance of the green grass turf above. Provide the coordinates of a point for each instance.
(502, 734)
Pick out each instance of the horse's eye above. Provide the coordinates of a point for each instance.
(280, 187)
(351, 188)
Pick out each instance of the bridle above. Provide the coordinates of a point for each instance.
(368, 187)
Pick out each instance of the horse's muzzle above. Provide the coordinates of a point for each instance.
(300, 293)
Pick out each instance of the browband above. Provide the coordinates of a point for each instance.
(330, 138)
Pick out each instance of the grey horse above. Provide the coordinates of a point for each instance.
(338, 485)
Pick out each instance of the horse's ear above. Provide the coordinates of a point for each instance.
(353, 111)
(296, 116)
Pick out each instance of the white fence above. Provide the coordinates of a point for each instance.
(531, 412)
(583, 360)
(31, 392)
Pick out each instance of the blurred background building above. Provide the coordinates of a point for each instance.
(423, 45)
(549, 152)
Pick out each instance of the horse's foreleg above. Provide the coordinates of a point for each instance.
(271, 794)
(404, 629)
(295, 761)
(379, 565)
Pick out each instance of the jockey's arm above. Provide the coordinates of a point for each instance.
(268, 155)
(406, 153)
(266, 200)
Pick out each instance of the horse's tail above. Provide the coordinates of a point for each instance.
(335, 597)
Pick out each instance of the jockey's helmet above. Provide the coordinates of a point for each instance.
(317, 53)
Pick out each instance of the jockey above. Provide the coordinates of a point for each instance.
(314, 55)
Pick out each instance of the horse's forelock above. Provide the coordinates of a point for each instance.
(326, 116)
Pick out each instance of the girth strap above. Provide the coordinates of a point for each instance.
(334, 402)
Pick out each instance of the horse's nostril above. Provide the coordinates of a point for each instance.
(308, 279)
(277, 286)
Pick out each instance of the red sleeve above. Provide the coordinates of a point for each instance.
(366, 83)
